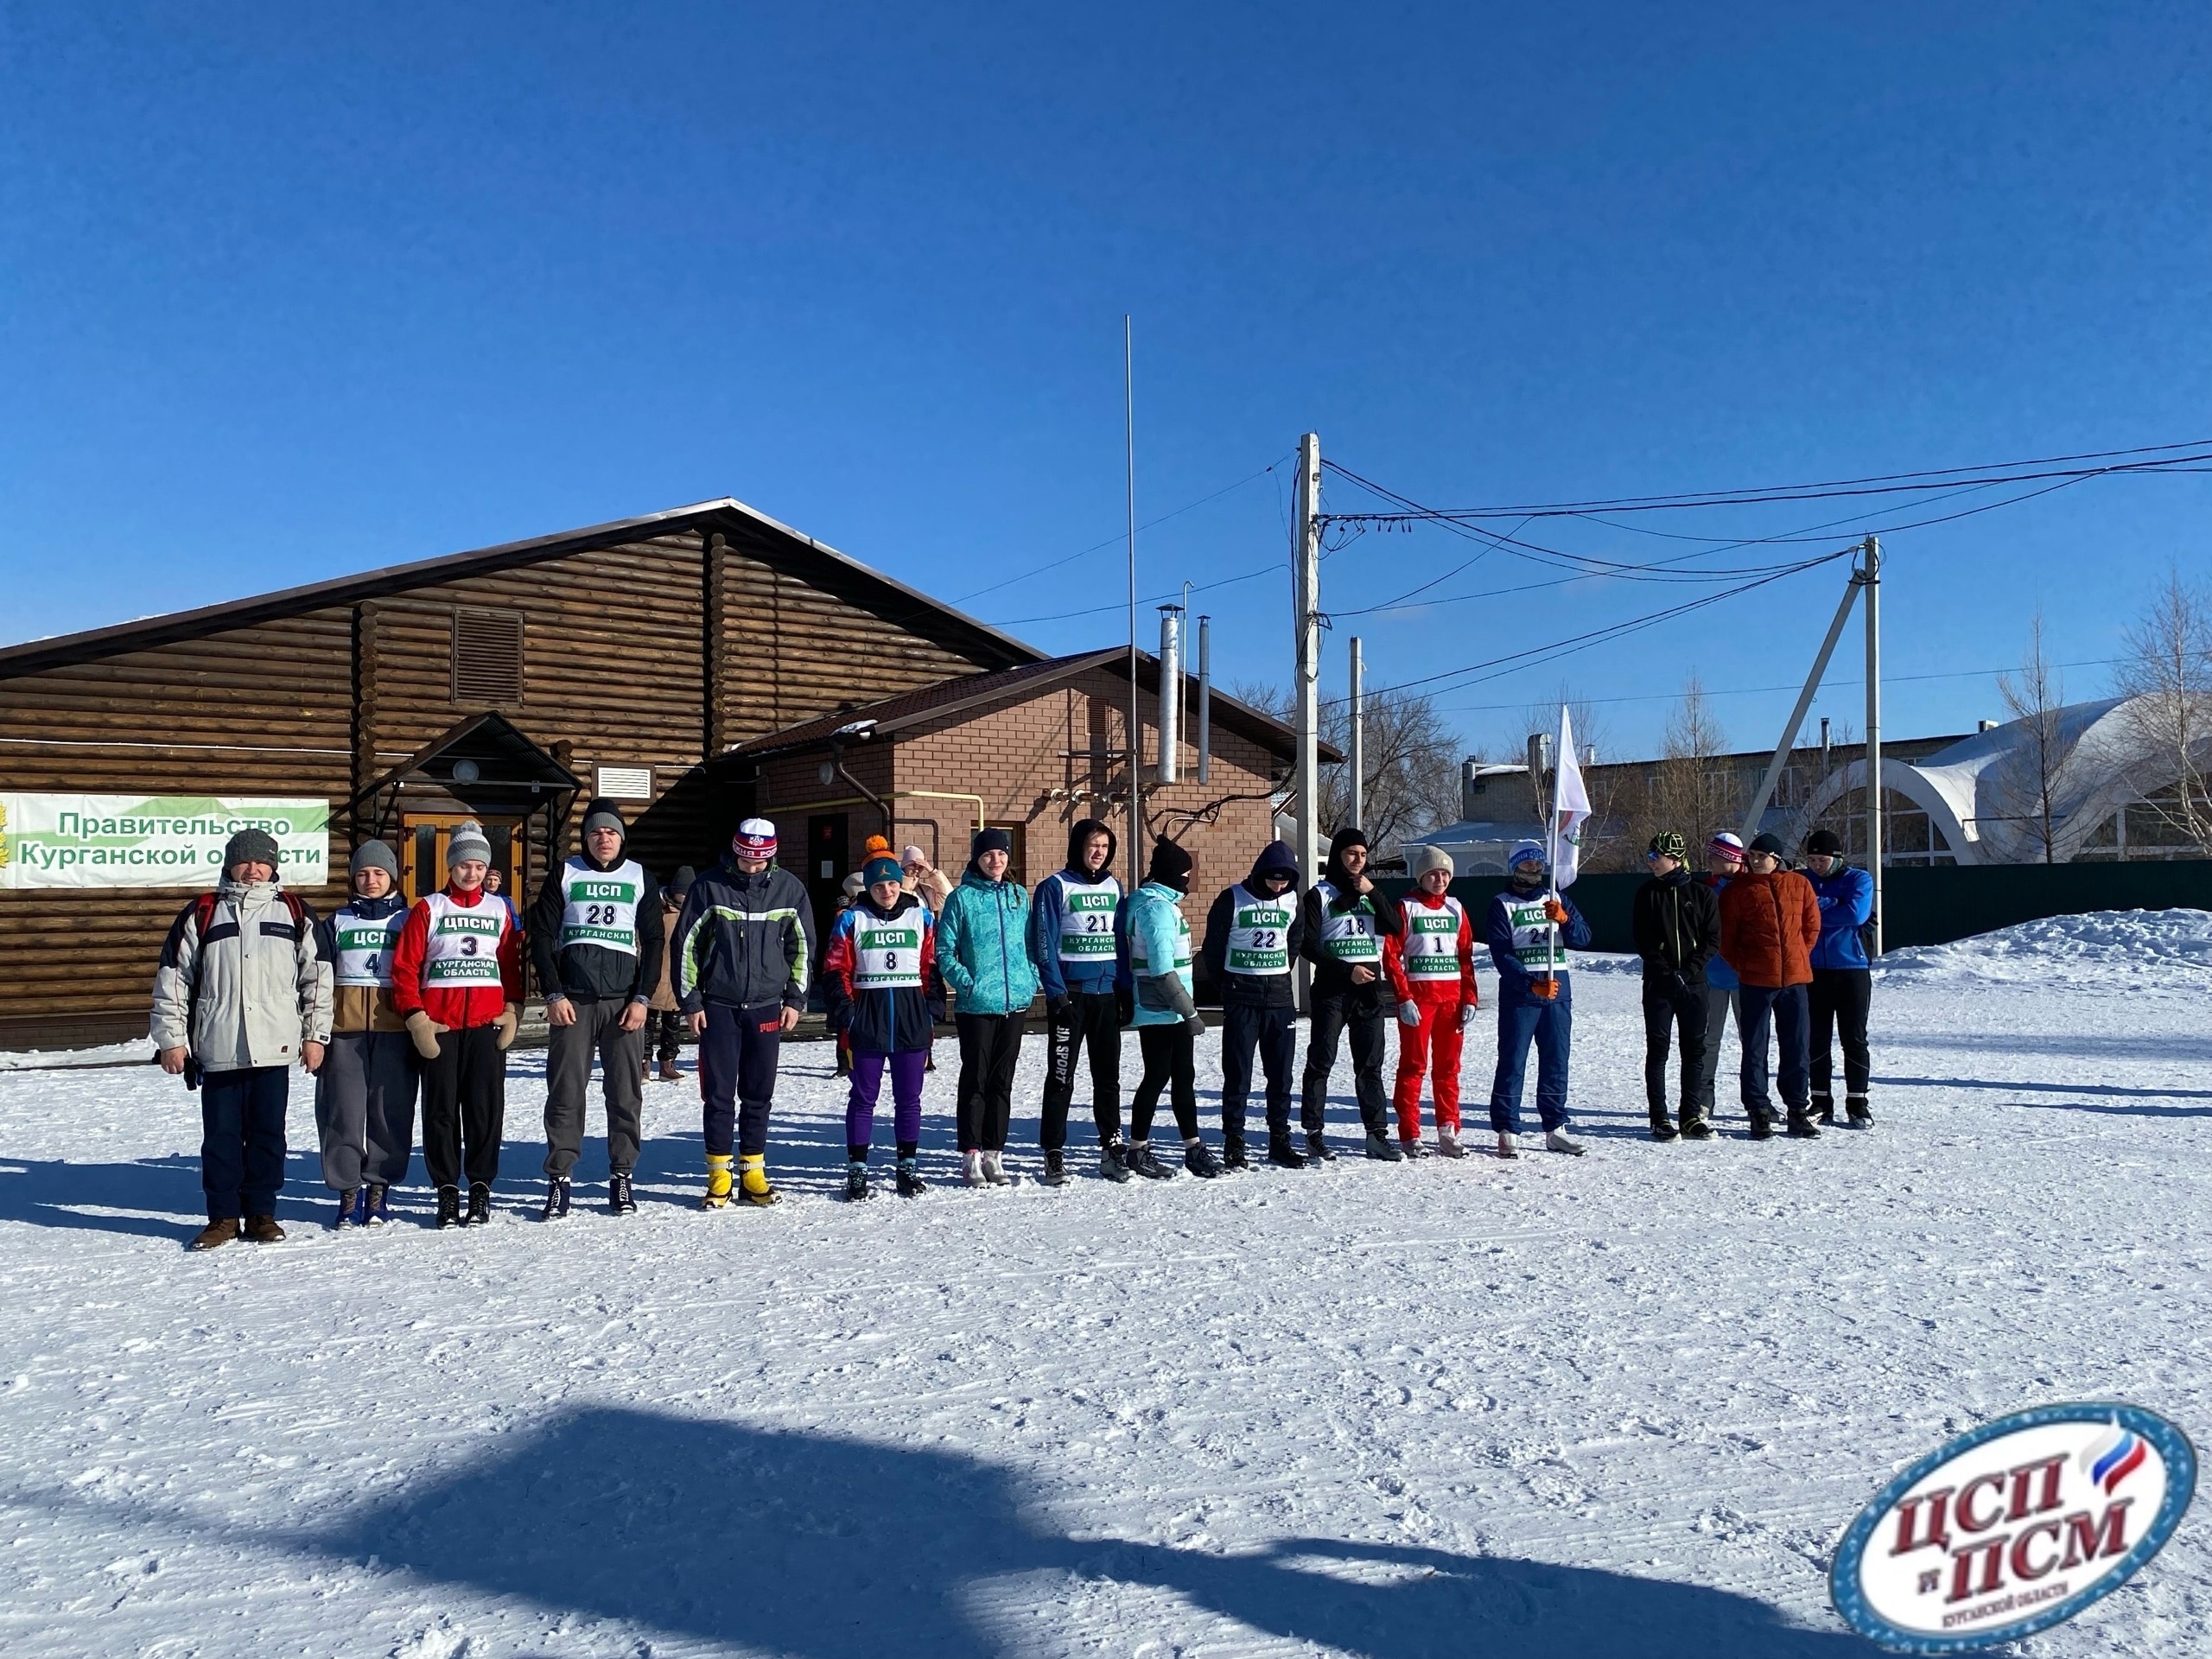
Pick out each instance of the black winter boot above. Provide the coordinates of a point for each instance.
(620, 1200)
(1282, 1154)
(1380, 1149)
(1802, 1127)
(1856, 1113)
(1662, 1127)
(1142, 1161)
(1199, 1159)
(1824, 1106)
(1056, 1167)
(479, 1203)
(911, 1184)
(556, 1200)
(856, 1186)
(449, 1206)
(1318, 1150)
(1233, 1155)
(1113, 1162)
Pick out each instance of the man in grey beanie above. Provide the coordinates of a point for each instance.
(364, 1094)
(239, 995)
(598, 941)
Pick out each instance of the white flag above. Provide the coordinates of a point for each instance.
(1570, 808)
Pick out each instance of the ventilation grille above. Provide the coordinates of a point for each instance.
(486, 658)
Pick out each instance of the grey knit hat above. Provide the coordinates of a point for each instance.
(469, 841)
(375, 855)
(1422, 860)
(251, 846)
(603, 814)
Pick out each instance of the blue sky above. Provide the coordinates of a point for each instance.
(284, 295)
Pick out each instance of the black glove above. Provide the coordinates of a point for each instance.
(1057, 1006)
(1125, 1005)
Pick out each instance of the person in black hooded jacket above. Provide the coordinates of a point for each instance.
(1346, 918)
(1072, 941)
(1675, 922)
(1254, 932)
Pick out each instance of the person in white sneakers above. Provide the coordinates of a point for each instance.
(1529, 933)
(1430, 966)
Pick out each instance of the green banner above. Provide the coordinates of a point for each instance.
(161, 840)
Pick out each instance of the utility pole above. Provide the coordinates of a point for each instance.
(1871, 578)
(1137, 853)
(1357, 759)
(1306, 602)
(1306, 563)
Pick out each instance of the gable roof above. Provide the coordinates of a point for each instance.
(965, 695)
(745, 528)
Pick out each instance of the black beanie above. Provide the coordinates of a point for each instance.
(1769, 844)
(1825, 841)
(603, 814)
(1350, 836)
(680, 883)
(1170, 866)
(990, 841)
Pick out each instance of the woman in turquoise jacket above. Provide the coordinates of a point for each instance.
(982, 954)
(1157, 943)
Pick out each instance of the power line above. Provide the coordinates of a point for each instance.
(1754, 690)
(1116, 540)
(1176, 592)
(1878, 484)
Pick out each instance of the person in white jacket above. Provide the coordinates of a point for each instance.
(241, 993)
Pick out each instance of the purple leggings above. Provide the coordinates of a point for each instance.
(905, 1096)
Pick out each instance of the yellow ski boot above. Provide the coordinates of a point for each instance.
(752, 1181)
(717, 1182)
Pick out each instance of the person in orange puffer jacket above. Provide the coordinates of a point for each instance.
(1769, 922)
(456, 978)
(1431, 968)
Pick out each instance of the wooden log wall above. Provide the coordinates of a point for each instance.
(261, 710)
(653, 653)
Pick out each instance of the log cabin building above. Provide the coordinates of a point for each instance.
(699, 665)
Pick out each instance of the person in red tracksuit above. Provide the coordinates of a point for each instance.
(1432, 971)
(456, 977)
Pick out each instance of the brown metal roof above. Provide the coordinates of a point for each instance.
(746, 529)
(967, 694)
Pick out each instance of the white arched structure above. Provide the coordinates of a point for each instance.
(1984, 794)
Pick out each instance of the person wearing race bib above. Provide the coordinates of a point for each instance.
(879, 976)
(456, 980)
(1432, 971)
(1253, 935)
(1072, 941)
(364, 1094)
(1158, 942)
(596, 940)
(1529, 933)
(1347, 920)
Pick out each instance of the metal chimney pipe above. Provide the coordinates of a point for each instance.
(1171, 693)
(1206, 699)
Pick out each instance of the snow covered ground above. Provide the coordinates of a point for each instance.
(1623, 1405)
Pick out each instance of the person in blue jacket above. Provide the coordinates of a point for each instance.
(1071, 942)
(1843, 979)
(1157, 943)
(1724, 861)
(982, 952)
(1529, 932)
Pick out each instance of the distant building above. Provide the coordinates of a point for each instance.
(1973, 799)
(1497, 807)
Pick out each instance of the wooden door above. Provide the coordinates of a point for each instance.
(424, 837)
(828, 860)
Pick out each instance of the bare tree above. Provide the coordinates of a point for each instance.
(2167, 674)
(1411, 758)
(1688, 790)
(2035, 697)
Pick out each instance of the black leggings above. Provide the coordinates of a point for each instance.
(1169, 1062)
(989, 1045)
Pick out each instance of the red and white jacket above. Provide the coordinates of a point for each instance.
(1433, 961)
(459, 959)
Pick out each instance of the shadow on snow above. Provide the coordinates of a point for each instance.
(809, 1545)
